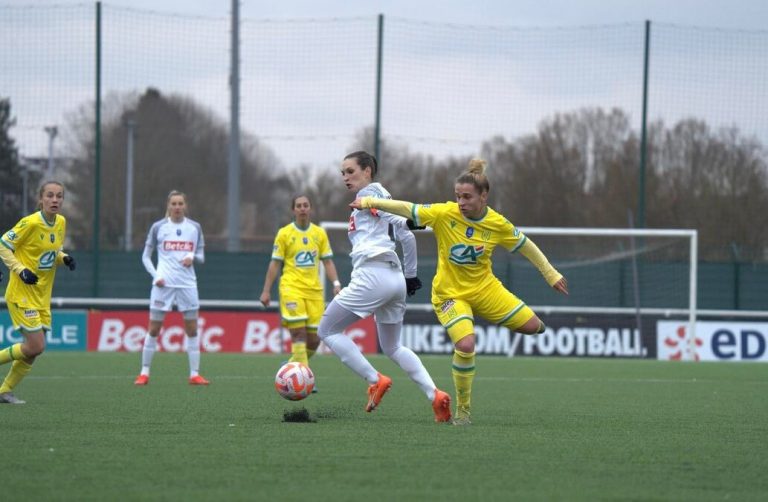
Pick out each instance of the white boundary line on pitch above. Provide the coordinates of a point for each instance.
(510, 378)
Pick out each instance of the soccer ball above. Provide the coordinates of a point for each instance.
(294, 381)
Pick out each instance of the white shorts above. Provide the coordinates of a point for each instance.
(163, 299)
(376, 287)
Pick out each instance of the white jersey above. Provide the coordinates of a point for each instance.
(174, 242)
(373, 234)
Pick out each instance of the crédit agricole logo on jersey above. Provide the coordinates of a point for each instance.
(466, 254)
(306, 258)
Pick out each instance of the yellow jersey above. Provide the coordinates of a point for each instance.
(300, 250)
(37, 245)
(465, 247)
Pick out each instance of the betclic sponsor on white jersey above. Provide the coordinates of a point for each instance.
(178, 246)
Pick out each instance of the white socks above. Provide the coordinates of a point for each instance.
(147, 353)
(193, 352)
(389, 339)
(350, 355)
(331, 331)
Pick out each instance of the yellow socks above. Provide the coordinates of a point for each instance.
(463, 370)
(11, 353)
(310, 353)
(299, 351)
(19, 370)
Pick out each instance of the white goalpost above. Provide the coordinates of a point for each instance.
(689, 235)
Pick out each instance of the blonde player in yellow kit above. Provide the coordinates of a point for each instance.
(32, 250)
(299, 247)
(467, 231)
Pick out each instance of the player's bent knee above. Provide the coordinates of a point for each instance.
(466, 344)
(534, 326)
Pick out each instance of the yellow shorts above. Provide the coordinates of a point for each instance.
(493, 303)
(27, 320)
(297, 312)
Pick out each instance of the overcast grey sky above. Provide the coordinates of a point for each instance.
(512, 92)
(743, 14)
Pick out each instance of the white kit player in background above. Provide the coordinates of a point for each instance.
(378, 287)
(179, 242)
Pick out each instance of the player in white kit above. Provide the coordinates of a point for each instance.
(378, 287)
(179, 242)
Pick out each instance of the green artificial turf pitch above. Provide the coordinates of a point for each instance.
(543, 429)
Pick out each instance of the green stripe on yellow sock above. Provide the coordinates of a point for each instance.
(11, 353)
(463, 372)
(18, 371)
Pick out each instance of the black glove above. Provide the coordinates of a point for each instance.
(70, 262)
(28, 276)
(412, 284)
(413, 226)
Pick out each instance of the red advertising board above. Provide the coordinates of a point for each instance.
(123, 331)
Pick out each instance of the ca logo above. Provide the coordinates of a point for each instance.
(306, 259)
(462, 254)
(47, 260)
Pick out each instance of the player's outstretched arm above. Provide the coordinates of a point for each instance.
(554, 278)
(399, 207)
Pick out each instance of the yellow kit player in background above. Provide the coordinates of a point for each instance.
(32, 250)
(467, 231)
(299, 247)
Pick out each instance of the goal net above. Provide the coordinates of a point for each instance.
(641, 272)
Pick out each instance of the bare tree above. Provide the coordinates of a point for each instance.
(10, 171)
(179, 145)
(716, 181)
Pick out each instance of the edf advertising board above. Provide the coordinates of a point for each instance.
(713, 341)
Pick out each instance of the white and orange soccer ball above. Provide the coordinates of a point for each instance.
(294, 381)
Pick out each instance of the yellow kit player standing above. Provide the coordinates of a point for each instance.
(298, 249)
(467, 231)
(32, 250)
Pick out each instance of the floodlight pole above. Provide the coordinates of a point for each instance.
(97, 160)
(643, 132)
(233, 172)
(52, 131)
(130, 124)
(377, 119)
